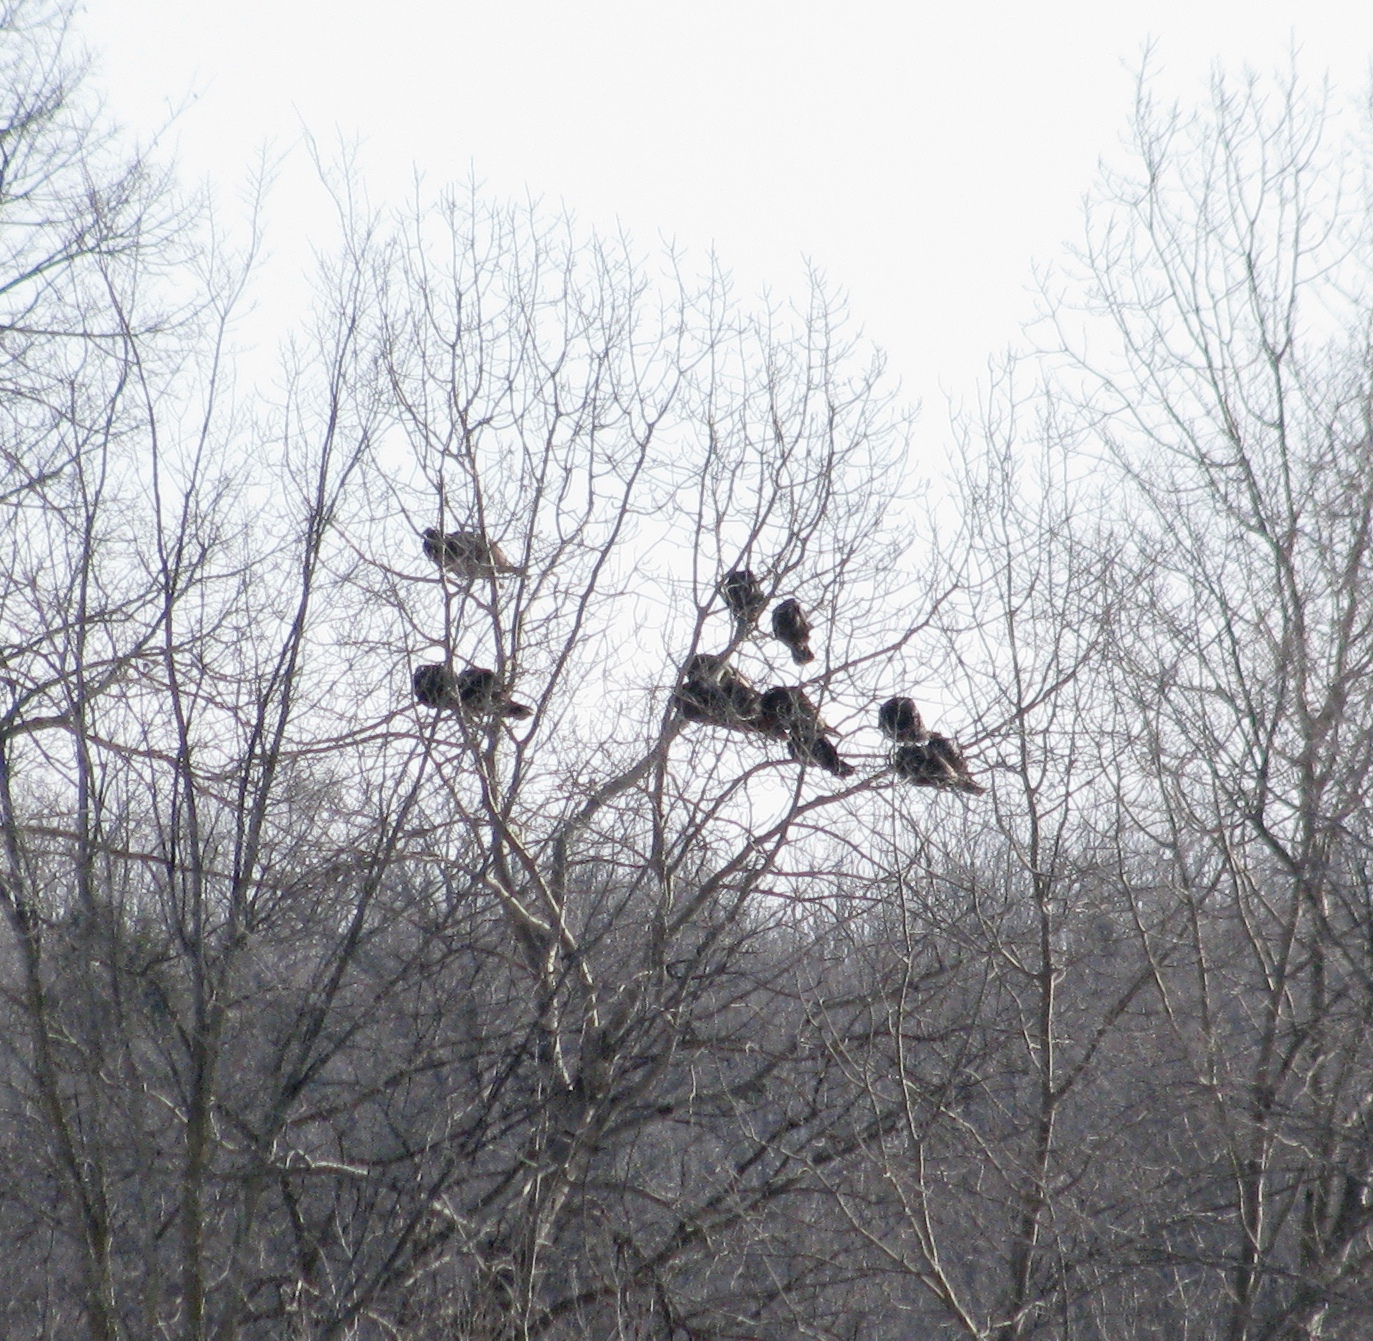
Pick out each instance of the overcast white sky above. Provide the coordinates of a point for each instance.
(923, 155)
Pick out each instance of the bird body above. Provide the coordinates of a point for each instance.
(790, 625)
(899, 719)
(935, 762)
(745, 597)
(714, 693)
(480, 692)
(786, 712)
(436, 686)
(786, 707)
(466, 553)
(475, 691)
(813, 748)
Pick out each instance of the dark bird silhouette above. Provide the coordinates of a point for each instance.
(480, 692)
(817, 750)
(466, 553)
(935, 762)
(714, 693)
(790, 625)
(899, 719)
(436, 687)
(783, 707)
(745, 597)
(786, 712)
(475, 691)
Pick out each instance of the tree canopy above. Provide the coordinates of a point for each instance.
(549, 822)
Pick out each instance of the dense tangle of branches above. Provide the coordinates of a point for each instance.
(327, 1014)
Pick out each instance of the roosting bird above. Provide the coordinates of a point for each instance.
(466, 553)
(935, 762)
(480, 692)
(474, 690)
(784, 708)
(899, 719)
(790, 625)
(436, 687)
(787, 713)
(745, 597)
(714, 693)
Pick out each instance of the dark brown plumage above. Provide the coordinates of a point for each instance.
(745, 597)
(790, 625)
(935, 762)
(786, 712)
(817, 750)
(436, 686)
(899, 719)
(466, 553)
(481, 693)
(784, 707)
(475, 691)
(713, 692)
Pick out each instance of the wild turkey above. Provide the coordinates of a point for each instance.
(935, 762)
(899, 719)
(481, 693)
(474, 691)
(745, 597)
(717, 695)
(466, 553)
(790, 625)
(787, 713)
(436, 687)
(783, 708)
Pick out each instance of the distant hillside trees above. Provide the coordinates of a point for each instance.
(421, 920)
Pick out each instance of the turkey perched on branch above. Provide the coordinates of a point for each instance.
(475, 691)
(482, 693)
(790, 625)
(899, 719)
(436, 686)
(787, 713)
(713, 693)
(935, 762)
(466, 553)
(745, 597)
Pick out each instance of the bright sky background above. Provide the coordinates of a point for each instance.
(923, 155)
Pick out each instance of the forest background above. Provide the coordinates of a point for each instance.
(328, 1015)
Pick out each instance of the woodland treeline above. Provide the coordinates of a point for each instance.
(328, 1014)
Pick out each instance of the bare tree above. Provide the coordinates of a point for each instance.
(1231, 263)
(342, 1014)
(1127, 1028)
(624, 444)
(438, 903)
(1012, 997)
